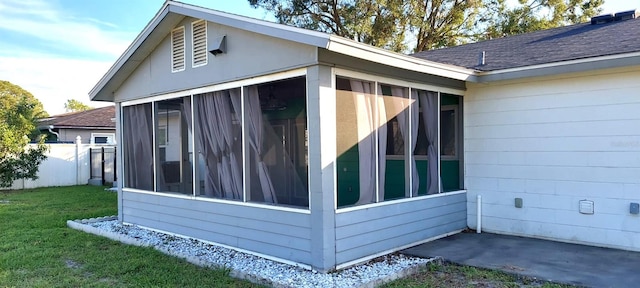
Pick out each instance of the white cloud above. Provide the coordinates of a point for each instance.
(54, 80)
(61, 72)
(55, 29)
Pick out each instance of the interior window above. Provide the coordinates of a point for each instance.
(173, 132)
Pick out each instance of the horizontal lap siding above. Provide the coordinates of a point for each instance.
(271, 232)
(554, 142)
(365, 232)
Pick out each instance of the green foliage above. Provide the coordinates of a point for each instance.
(74, 105)
(533, 15)
(37, 249)
(417, 25)
(18, 113)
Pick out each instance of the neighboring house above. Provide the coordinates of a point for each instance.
(319, 151)
(94, 126)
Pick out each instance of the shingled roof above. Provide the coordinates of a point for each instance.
(99, 118)
(542, 47)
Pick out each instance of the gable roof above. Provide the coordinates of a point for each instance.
(98, 118)
(567, 43)
(174, 12)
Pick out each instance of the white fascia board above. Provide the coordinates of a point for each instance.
(571, 66)
(276, 30)
(97, 89)
(374, 54)
(84, 127)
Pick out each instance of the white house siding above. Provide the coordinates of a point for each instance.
(552, 142)
(277, 233)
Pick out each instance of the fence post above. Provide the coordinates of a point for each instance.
(115, 175)
(78, 164)
(102, 164)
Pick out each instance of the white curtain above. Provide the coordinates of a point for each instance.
(365, 103)
(429, 104)
(223, 177)
(403, 106)
(232, 138)
(255, 132)
(382, 143)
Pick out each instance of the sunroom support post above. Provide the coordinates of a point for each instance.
(119, 159)
(321, 111)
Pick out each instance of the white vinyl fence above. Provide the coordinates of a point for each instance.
(66, 164)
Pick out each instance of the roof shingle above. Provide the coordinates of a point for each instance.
(94, 118)
(541, 47)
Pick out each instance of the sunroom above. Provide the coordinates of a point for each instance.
(298, 146)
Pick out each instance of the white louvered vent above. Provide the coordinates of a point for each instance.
(199, 30)
(177, 49)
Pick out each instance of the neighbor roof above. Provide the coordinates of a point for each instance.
(99, 118)
(542, 47)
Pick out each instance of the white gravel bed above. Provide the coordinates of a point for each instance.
(250, 267)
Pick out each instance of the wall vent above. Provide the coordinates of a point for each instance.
(177, 49)
(199, 32)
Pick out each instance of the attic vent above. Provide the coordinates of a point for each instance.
(199, 30)
(606, 18)
(626, 15)
(177, 49)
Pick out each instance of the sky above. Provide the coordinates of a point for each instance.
(59, 49)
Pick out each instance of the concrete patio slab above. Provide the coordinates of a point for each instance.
(546, 260)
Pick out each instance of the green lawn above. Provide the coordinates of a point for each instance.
(38, 250)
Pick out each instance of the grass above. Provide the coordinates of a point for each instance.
(38, 250)
(451, 275)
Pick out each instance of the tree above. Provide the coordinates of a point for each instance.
(19, 111)
(533, 15)
(417, 25)
(74, 105)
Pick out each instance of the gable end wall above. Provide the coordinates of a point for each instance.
(248, 54)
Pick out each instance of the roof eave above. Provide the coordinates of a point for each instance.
(43, 127)
(371, 53)
(571, 66)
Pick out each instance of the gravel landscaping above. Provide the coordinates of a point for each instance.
(250, 267)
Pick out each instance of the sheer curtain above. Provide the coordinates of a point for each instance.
(365, 117)
(382, 128)
(138, 146)
(411, 138)
(216, 138)
(255, 131)
(429, 104)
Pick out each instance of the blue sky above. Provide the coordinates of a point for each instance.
(59, 49)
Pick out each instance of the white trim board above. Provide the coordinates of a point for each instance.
(220, 201)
